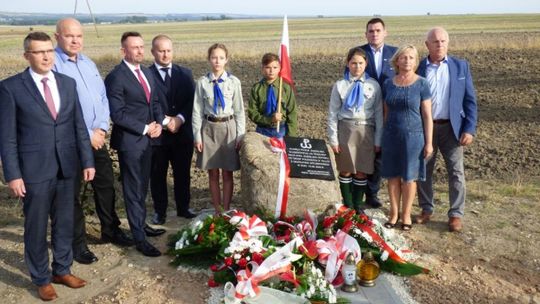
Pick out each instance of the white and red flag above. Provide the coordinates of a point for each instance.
(284, 52)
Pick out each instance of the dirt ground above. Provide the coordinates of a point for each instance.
(495, 260)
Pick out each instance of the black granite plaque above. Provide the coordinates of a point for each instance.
(309, 158)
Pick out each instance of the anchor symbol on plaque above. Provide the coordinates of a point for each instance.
(305, 144)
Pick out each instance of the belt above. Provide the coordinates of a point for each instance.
(441, 121)
(218, 119)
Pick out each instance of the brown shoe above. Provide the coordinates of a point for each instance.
(69, 280)
(422, 218)
(46, 292)
(455, 224)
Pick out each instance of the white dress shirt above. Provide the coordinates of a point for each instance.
(51, 82)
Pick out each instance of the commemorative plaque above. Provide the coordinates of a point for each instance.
(308, 158)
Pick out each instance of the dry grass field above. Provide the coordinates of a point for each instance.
(495, 260)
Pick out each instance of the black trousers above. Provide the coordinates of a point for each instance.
(374, 180)
(135, 175)
(179, 155)
(104, 197)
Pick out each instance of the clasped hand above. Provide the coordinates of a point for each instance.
(154, 130)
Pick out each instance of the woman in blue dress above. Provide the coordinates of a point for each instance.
(407, 134)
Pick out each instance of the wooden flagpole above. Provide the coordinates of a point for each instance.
(278, 110)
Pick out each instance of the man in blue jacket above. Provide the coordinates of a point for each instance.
(379, 67)
(454, 111)
(44, 144)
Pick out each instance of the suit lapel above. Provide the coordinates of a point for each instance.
(422, 67)
(63, 97)
(372, 70)
(34, 92)
(452, 74)
(133, 79)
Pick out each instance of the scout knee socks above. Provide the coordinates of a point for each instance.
(345, 185)
(359, 187)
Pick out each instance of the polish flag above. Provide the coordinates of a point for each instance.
(284, 60)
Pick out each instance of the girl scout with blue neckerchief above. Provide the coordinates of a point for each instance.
(355, 121)
(218, 125)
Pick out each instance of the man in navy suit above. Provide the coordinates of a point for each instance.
(44, 144)
(379, 67)
(454, 113)
(175, 145)
(137, 117)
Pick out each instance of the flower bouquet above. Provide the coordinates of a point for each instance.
(200, 242)
(292, 254)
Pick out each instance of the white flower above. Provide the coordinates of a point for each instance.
(237, 256)
(384, 256)
(179, 244)
(332, 289)
(255, 245)
(367, 237)
(195, 237)
(196, 226)
(312, 289)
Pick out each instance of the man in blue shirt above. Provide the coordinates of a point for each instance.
(454, 124)
(95, 107)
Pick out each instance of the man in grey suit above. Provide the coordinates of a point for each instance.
(454, 116)
(44, 143)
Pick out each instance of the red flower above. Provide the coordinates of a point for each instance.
(289, 276)
(214, 268)
(347, 226)
(200, 238)
(329, 221)
(212, 227)
(228, 261)
(212, 283)
(242, 263)
(309, 249)
(257, 258)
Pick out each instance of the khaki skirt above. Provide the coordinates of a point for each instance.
(219, 146)
(357, 147)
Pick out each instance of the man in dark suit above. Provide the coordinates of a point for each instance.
(454, 124)
(137, 117)
(379, 67)
(176, 89)
(44, 144)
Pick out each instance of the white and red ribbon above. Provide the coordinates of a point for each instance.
(278, 146)
(333, 252)
(277, 263)
(248, 227)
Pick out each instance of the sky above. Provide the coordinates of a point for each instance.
(278, 7)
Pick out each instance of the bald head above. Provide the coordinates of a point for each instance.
(162, 50)
(437, 44)
(69, 36)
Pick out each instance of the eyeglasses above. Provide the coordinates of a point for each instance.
(42, 53)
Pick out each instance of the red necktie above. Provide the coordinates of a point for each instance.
(48, 97)
(143, 85)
